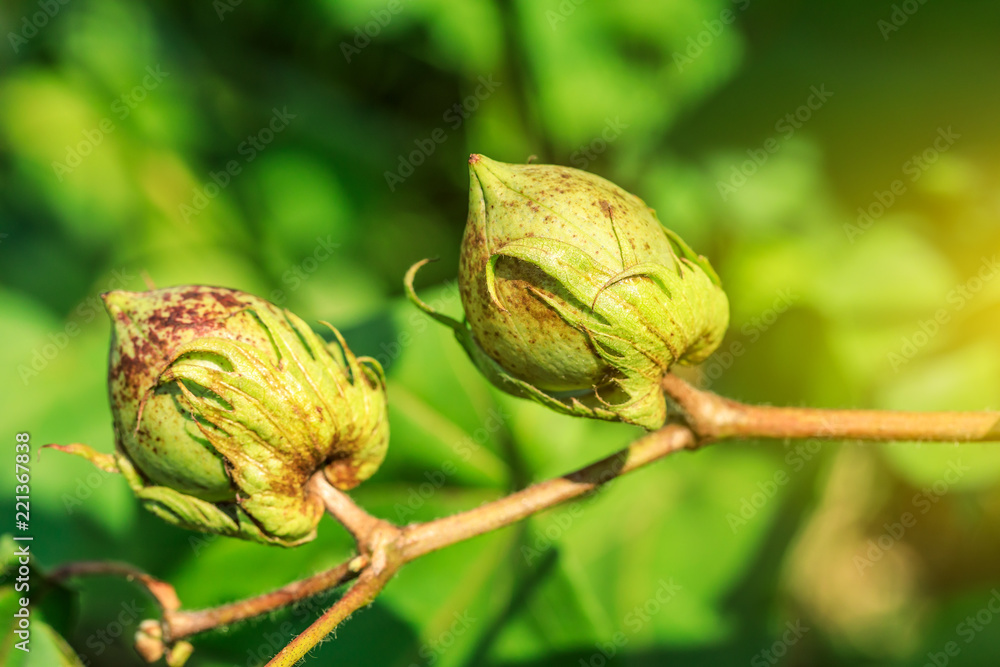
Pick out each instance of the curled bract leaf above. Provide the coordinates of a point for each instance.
(225, 405)
(575, 295)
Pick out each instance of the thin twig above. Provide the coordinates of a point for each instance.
(176, 625)
(713, 417)
(162, 592)
(181, 624)
(424, 538)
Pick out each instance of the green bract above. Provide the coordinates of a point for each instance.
(575, 295)
(225, 405)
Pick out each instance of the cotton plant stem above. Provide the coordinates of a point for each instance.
(708, 417)
(359, 523)
(395, 547)
(714, 417)
(179, 624)
(363, 593)
(162, 592)
(424, 538)
(385, 548)
(182, 624)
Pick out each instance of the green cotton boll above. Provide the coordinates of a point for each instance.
(225, 405)
(576, 296)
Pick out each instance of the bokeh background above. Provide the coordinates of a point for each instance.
(838, 162)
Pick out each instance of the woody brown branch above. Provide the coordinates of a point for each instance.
(385, 548)
(714, 417)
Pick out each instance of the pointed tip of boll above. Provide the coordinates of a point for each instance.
(116, 301)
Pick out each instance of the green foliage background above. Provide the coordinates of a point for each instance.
(751, 535)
